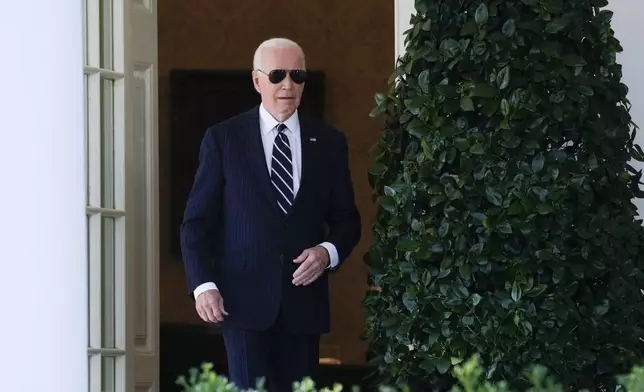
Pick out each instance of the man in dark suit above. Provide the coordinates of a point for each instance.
(270, 213)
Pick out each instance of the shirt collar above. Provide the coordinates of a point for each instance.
(269, 122)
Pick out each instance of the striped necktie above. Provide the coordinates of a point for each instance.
(282, 170)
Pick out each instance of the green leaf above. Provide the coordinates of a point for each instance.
(477, 149)
(505, 110)
(479, 216)
(557, 25)
(513, 142)
(380, 98)
(602, 308)
(516, 292)
(481, 16)
(417, 128)
(544, 209)
(503, 78)
(447, 90)
(450, 47)
(467, 104)
(558, 275)
(469, 28)
(435, 189)
(427, 278)
(504, 227)
(551, 49)
(572, 60)
(443, 230)
(475, 299)
(516, 208)
(553, 6)
(377, 169)
(544, 254)
(436, 200)
(416, 225)
(377, 111)
(509, 27)
(427, 365)
(465, 271)
(390, 321)
(423, 81)
(388, 203)
(537, 290)
(493, 196)
(408, 302)
(586, 90)
(477, 248)
(414, 105)
(537, 163)
(467, 320)
(484, 91)
(462, 144)
(442, 365)
(427, 149)
(407, 246)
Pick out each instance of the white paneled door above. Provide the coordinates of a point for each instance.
(122, 219)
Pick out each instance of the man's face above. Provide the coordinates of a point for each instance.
(280, 99)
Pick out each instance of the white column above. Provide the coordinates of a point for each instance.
(43, 306)
(402, 12)
(627, 23)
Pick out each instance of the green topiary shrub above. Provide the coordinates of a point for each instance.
(505, 224)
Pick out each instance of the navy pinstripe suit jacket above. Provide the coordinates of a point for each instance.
(234, 234)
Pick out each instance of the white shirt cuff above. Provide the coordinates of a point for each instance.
(334, 259)
(204, 287)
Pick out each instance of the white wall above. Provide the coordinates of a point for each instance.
(402, 12)
(43, 277)
(628, 23)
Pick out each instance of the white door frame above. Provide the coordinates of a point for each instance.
(122, 195)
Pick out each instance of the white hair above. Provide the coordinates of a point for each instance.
(274, 43)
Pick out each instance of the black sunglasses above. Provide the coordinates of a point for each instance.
(298, 76)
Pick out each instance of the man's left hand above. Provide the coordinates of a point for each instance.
(313, 262)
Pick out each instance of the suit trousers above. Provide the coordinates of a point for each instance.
(276, 355)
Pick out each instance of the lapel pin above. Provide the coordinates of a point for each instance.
(312, 139)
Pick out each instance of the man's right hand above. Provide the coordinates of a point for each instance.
(210, 306)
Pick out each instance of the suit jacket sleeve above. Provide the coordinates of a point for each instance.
(201, 215)
(343, 218)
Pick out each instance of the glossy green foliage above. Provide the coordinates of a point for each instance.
(470, 377)
(505, 221)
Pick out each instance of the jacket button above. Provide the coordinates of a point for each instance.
(281, 258)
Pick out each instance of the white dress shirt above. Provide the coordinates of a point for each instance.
(268, 128)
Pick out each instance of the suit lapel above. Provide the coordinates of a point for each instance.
(308, 137)
(257, 157)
